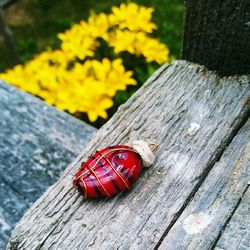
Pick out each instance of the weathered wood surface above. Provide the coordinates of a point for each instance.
(217, 35)
(193, 115)
(37, 142)
(214, 204)
(236, 235)
(12, 207)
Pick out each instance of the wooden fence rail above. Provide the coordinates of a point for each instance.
(194, 188)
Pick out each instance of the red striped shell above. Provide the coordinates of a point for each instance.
(108, 171)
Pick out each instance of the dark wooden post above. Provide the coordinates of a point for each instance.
(217, 35)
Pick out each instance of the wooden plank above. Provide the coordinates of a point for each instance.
(192, 114)
(208, 39)
(12, 207)
(236, 235)
(203, 220)
(37, 142)
(2, 243)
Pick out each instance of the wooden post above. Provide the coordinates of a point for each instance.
(217, 35)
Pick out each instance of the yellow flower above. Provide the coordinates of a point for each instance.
(132, 17)
(80, 40)
(77, 43)
(17, 77)
(85, 87)
(139, 43)
(112, 74)
(98, 25)
(122, 40)
(151, 48)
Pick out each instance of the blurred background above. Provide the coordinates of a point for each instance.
(94, 66)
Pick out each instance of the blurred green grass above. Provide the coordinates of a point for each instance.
(46, 18)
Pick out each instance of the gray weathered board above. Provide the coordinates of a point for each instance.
(204, 219)
(193, 115)
(236, 235)
(37, 142)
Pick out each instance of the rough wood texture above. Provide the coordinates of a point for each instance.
(193, 115)
(201, 224)
(37, 142)
(237, 233)
(12, 207)
(217, 35)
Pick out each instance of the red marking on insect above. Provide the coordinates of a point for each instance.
(108, 171)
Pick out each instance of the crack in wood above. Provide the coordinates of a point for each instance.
(229, 218)
(202, 177)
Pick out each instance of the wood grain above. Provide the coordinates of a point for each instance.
(212, 207)
(192, 114)
(236, 234)
(217, 34)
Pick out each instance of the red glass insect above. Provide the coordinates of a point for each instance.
(113, 169)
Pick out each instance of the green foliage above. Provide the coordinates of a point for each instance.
(26, 48)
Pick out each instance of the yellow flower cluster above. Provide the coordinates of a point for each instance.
(133, 17)
(87, 87)
(81, 40)
(138, 43)
(72, 79)
(125, 29)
